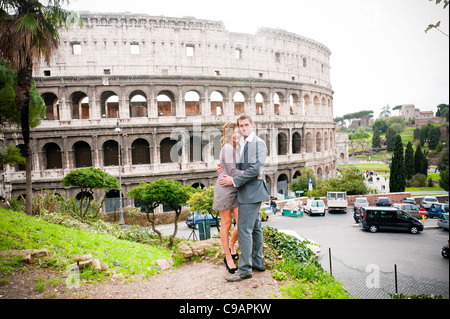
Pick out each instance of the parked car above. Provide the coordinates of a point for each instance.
(314, 206)
(194, 218)
(427, 201)
(388, 218)
(443, 221)
(360, 202)
(436, 209)
(413, 210)
(409, 200)
(357, 214)
(383, 201)
(315, 247)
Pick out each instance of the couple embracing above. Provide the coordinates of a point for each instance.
(239, 190)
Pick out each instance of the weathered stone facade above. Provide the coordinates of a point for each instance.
(171, 83)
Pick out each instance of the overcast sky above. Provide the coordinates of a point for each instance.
(380, 52)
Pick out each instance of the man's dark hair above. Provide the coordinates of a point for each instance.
(244, 117)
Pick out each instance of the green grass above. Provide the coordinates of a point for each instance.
(20, 231)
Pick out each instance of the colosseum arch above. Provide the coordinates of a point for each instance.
(316, 110)
(110, 153)
(282, 144)
(307, 105)
(326, 141)
(82, 154)
(319, 172)
(52, 106)
(309, 142)
(294, 105)
(282, 184)
(165, 147)
(138, 104)
(165, 102)
(192, 103)
(266, 138)
(140, 152)
(318, 142)
(79, 103)
(52, 156)
(109, 103)
(216, 101)
(261, 103)
(195, 149)
(239, 103)
(296, 143)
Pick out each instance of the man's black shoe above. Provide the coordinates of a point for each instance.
(237, 277)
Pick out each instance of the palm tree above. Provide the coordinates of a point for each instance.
(29, 32)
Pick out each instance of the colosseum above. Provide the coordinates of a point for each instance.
(144, 97)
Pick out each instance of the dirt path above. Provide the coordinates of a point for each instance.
(200, 280)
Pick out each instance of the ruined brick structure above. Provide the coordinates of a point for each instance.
(172, 83)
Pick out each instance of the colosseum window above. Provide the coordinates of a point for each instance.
(134, 48)
(189, 50)
(76, 48)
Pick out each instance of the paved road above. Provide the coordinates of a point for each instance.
(364, 261)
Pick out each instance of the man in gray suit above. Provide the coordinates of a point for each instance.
(251, 191)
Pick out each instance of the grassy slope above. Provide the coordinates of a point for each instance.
(19, 231)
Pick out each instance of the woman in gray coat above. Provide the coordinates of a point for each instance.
(225, 197)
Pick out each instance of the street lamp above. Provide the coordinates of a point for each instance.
(117, 129)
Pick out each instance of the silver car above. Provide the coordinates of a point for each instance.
(411, 209)
(443, 221)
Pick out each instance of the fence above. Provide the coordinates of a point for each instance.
(372, 283)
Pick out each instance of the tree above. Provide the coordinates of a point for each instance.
(420, 162)
(351, 181)
(397, 180)
(437, 24)
(441, 108)
(88, 179)
(380, 125)
(202, 202)
(358, 138)
(409, 163)
(163, 192)
(443, 162)
(433, 137)
(376, 140)
(301, 182)
(390, 139)
(416, 135)
(385, 111)
(29, 31)
(443, 182)
(443, 166)
(10, 115)
(397, 108)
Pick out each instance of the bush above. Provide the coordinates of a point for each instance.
(418, 180)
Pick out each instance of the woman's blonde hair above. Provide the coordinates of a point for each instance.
(227, 132)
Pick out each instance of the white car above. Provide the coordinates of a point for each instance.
(314, 206)
(427, 201)
(315, 247)
(360, 202)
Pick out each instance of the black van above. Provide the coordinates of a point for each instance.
(388, 218)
